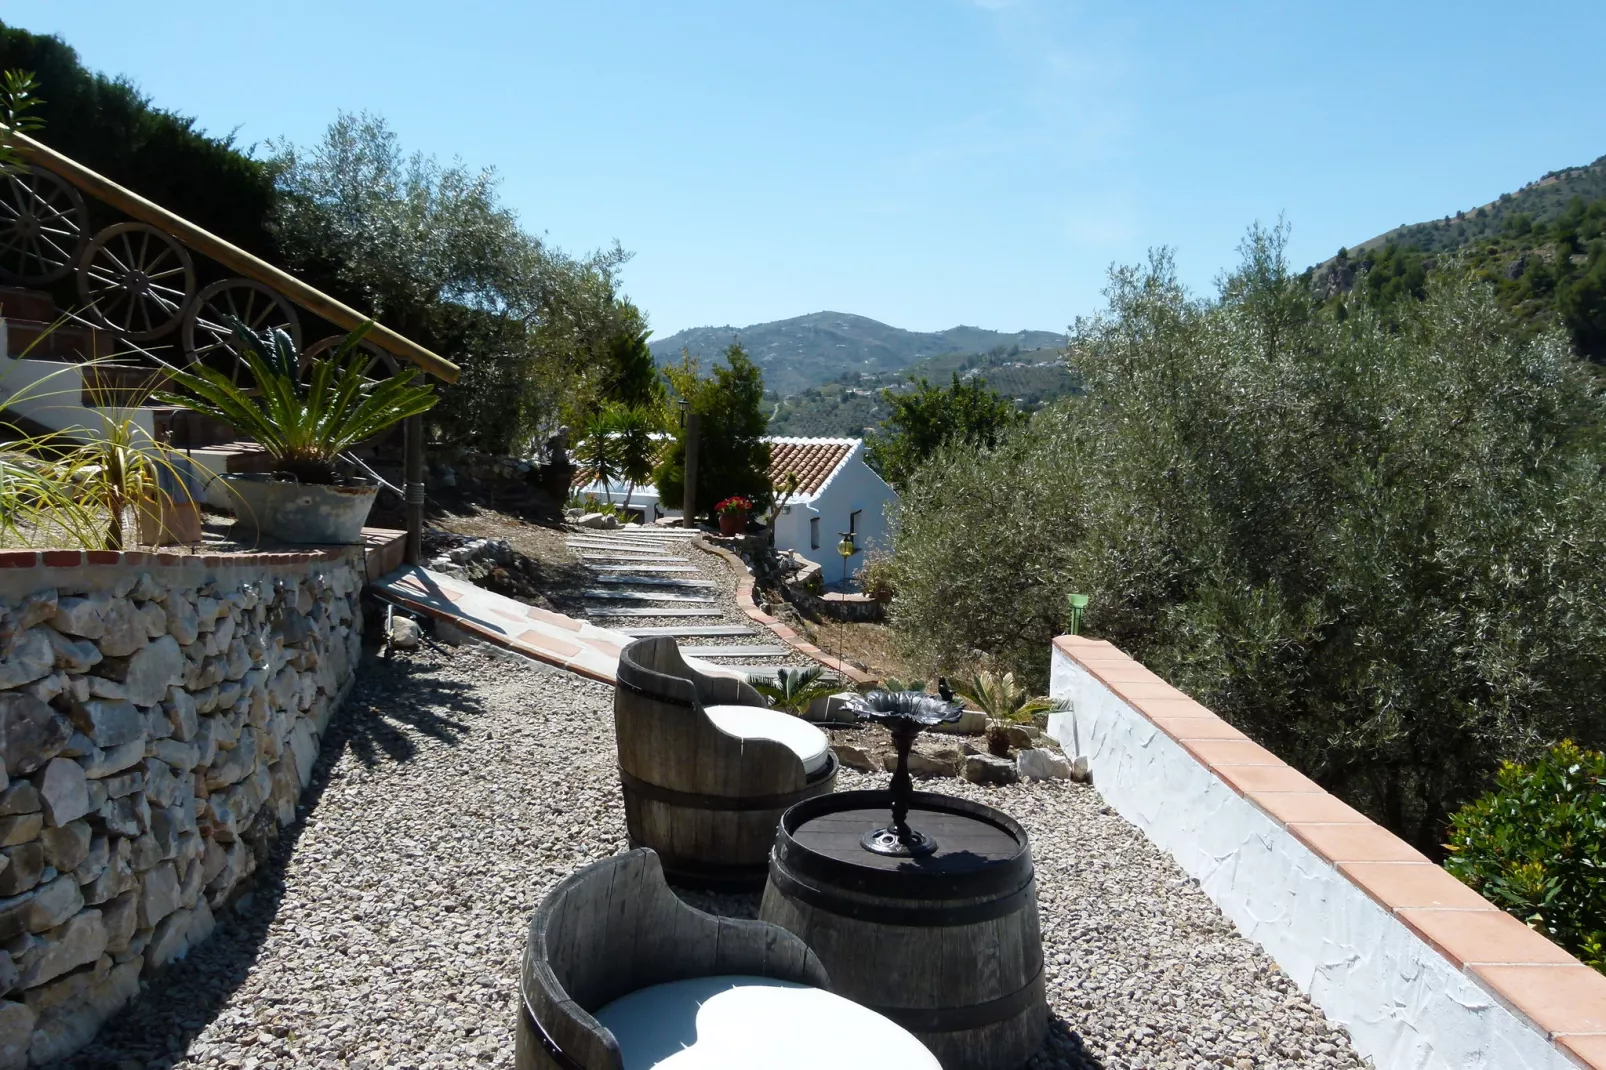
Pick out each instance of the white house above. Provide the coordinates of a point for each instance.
(837, 493)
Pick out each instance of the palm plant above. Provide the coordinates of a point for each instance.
(793, 690)
(304, 422)
(599, 449)
(1005, 703)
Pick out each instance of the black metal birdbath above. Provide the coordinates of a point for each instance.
(905, 714)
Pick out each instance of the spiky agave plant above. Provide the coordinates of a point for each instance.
(303, 421)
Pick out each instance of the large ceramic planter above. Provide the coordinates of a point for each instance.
(300, 512)
(732, 523)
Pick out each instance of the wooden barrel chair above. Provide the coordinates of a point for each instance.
(707, 768)
(614, 928)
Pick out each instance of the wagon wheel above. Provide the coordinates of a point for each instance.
(207, 334)
(136, 280)
(381, 365)
(42, 226)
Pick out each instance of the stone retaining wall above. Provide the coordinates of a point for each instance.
(1423, 972)
(159, 717)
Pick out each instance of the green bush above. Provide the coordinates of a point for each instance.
(732, 456)
(1378, 548)
(1536, 847)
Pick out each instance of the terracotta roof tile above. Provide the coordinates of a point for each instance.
(814, 460)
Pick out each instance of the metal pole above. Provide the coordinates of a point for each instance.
(694, 424)
(413, 488)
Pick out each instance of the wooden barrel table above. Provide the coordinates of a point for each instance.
(947, 945)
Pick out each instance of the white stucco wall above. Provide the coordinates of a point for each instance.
(854, 486)
(1404, 1004)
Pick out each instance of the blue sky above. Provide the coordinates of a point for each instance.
(922, 162)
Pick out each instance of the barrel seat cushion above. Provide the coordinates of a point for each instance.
(730, 1022)
(755, 722)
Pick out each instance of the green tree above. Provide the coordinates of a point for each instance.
(928, 418)
(1377, 548)
(732, 456)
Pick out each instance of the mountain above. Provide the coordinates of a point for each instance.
(810, 351)
(1541, 249)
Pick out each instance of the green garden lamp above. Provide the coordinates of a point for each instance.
(1078, 607)
(847, 550)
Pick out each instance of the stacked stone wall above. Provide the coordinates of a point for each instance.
(158, 722)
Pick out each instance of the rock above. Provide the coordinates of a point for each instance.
(970, 723)
(66, 847)
(147, 673)
(183, 623)
(20, 798)
(103, 763)
(182, 714)
(72, 1009)
(304, 745)
(185, 756)
(27, 659)
(853, 757)
(105, 687)
(82, 939)
(118, 876)
(1080, 769)
(233, 765)
(146, 852)
(63, 793)
(987, 769)
(24, 869)
(154, 618)
(124, 629)
(832, 709)
(43, 908)
(159, 896)
(405, 633)
(31, 733)
(1020, 736)
(109, 723)
(96, 862)
(16, 1034)
(124, 784)
(121, 917)
(82, 616)
(73, 655)
(1040, 763)
(121, 817)
(943, 763)
(605, 521)
(20, 829)
(177, 934)
(162, 787)
(8, 974)
(146, 589)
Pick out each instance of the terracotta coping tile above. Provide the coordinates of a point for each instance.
(550, 643)
(19, 558)
(1356, 843)
(1122, 671)
(1398, 886)
(1222, 752)
(1559, 999)
(1474, 936)
(1247, 779)
(546, 616)
(1311, 807)
(1185, 728)
(1158, 709)
(62, 558)
(1587, 1048)
(1139, 693)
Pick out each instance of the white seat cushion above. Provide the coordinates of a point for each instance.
(755, 1023)
(756, 722)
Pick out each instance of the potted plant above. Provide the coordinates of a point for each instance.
(733, 513)
(305, 414)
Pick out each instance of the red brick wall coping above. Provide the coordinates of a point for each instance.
(380, 544)
(744, 599)
(1560, 996)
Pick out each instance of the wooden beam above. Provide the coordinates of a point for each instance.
(230, 256)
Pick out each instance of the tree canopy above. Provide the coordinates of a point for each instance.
(925, 420)
(732, 456)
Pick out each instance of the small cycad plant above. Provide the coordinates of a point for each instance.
(794, 690)
(1536, 847)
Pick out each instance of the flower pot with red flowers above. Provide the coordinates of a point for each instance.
(733, 513)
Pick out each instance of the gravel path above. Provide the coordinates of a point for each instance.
(458, 786)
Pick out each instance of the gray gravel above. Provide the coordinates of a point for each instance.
(458, 787)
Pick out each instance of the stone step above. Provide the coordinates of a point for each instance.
(643, 596)
(643, 568)
(617, 546)
(633, 611)
(691, 631)
(656, 581)
(754, 651)
(633, 557)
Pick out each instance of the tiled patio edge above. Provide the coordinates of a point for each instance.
(744, 599)
(1422, 970)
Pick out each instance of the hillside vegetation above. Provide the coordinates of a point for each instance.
(810, 351)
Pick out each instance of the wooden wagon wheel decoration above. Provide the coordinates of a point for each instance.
(136, 279)
(43, 223)
(380, 365)
(207, 334)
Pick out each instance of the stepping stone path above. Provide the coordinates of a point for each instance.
(643, 596)
(633, 557)
(644, 568)
(652, 581)
(690, 631)
(636, 611)
(736, 651)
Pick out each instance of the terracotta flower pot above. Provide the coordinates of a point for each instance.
(732, 523)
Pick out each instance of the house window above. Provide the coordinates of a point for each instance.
(853, 521)
(814, 533)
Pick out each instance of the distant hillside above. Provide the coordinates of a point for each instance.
(1542, 250)
(810, 351)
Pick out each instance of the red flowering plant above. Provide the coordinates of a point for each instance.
(735, 505)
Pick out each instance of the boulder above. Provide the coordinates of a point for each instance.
(67, 847)
(82, 616)
(854, 757)
(20, 828)
(20, 798)
(121, 918)
(405, 633)
(109, 723)
(16, 1034)
(73, 655)
(182, 714)
(1041, 763)
(63, 792)
(147, 673)
(987, 769)
(44, 908)
(183, 623)
(123, 629)
(942, 763)
(82, 939)
(31, 733)
(96, 862)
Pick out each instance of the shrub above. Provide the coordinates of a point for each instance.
(1379, 549)
(732, 456)
(1536, 847)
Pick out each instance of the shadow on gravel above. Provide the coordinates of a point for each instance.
(1063, 1050)
(156, 1030)
(398, 695)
